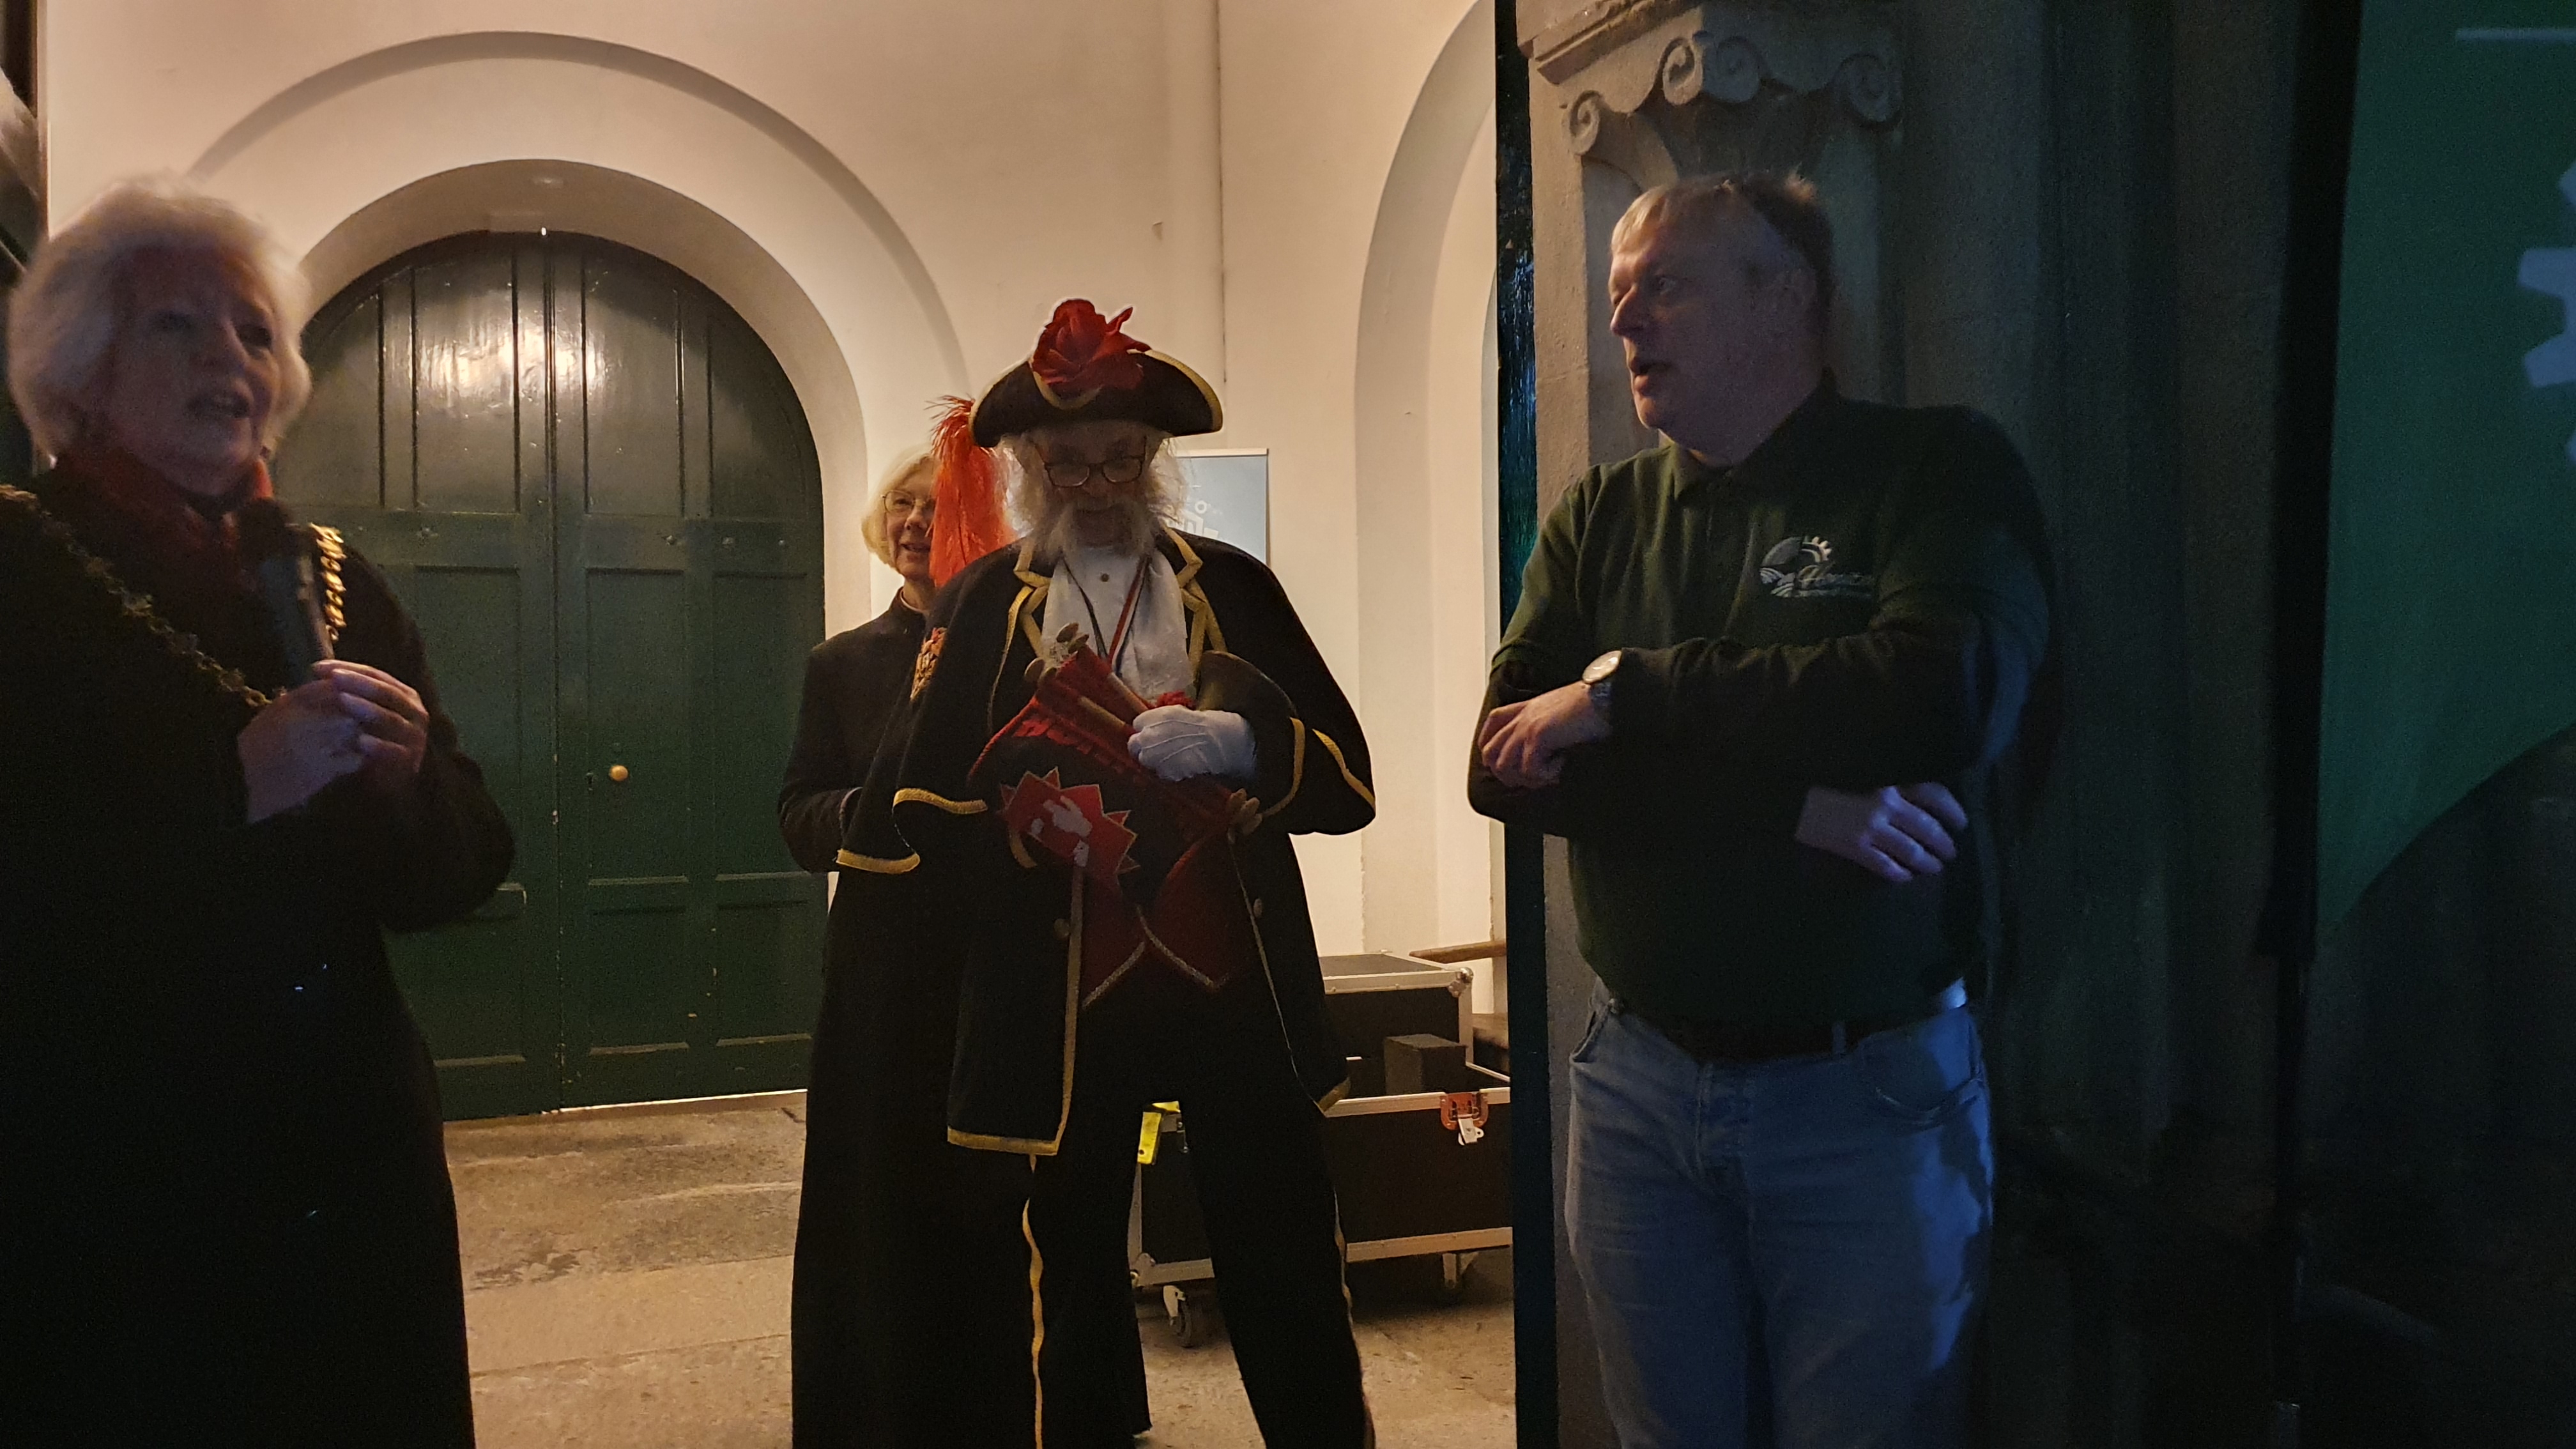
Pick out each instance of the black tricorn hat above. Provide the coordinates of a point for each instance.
(1085, 370)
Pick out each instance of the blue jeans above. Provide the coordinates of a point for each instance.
(1787, 1254)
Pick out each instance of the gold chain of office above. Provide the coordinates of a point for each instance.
(138, 607)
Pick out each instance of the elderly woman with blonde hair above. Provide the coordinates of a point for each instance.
(855, 683)
(854, 680)
(227, 1214)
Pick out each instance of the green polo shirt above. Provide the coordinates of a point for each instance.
(1862, 602)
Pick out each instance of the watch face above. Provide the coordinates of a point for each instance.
(1600, 669)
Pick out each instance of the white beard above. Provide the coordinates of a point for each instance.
(1056, 534)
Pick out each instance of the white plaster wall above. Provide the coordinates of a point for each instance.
(1333, 278)
(1466, 600)
(895, 195)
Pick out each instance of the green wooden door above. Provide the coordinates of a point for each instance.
(594, 487)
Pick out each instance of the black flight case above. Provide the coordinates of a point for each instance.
(1420, 1147)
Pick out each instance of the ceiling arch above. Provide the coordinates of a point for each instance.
(508, 130)
(375, 67)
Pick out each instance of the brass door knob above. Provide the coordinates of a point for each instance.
(617, 773)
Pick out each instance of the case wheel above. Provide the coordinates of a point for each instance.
(1190, 1312)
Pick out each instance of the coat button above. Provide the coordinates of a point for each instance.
(1256, 910)
(1064, 930)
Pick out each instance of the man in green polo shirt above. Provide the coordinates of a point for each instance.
(1762, 679)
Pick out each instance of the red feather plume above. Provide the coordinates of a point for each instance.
(969, 522)
(1081, 351)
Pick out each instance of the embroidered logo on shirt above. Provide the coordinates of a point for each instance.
(1803, 568)
(927, 660)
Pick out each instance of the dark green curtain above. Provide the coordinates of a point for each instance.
(2451, 574)
(2433, 1157)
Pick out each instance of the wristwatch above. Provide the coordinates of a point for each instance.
(1598, 678)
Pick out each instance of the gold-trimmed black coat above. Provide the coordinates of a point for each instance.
(922, 824)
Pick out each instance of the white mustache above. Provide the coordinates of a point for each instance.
(1055, 531)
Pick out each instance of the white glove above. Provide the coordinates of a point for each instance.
(1177, 742)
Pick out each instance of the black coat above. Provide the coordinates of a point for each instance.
(921, 828)
(855, 681)
(884, 1302)
(227, 1213)
(867, 1343)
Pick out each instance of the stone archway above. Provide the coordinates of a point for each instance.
(592, 484)
(688, 167)
(1424, 458)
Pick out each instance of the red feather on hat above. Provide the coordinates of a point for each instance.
(1081, 351)
(968, 523)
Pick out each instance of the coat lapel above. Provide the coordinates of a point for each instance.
(1205, 632)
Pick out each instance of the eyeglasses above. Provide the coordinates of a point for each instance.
(1117, 471)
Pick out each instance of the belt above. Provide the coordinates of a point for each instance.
(1743, 1043)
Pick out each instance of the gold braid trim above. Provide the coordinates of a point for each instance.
(330, 553)
(912, 795)
(1334, 750)
(138, 607)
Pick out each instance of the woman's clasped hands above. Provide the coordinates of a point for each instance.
(351, 719)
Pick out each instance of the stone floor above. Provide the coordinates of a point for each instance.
(626, 1283)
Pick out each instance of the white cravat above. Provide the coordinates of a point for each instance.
(1156, 657)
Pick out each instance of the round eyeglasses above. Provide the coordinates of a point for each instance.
(1117, 471)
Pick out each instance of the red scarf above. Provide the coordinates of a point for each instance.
(174, 532)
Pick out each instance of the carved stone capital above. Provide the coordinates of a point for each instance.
(1564, 36)
(1626, 57)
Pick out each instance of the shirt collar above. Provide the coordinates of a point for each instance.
(1793, 443)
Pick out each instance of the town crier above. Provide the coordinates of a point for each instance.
(1115, 729)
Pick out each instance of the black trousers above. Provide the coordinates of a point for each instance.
(1257, 1154)
(904, 1243)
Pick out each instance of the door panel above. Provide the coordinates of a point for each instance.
(338, 460)
(483, 606)
(640, 927)
(631, 353)
(594, 488)
(686, 611)
(757, 683)
(480, 585)
(767, 596)
(766, 916)
(765, 927)
(762, 454)
(485, 991)
(631, 960)
(479, 1012)
(633, 964)
(636, 719)
(465, 379)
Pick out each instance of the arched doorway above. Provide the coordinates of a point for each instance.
(594, 487)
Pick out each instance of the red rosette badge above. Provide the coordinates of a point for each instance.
(1073, 824)
(1082, 352)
